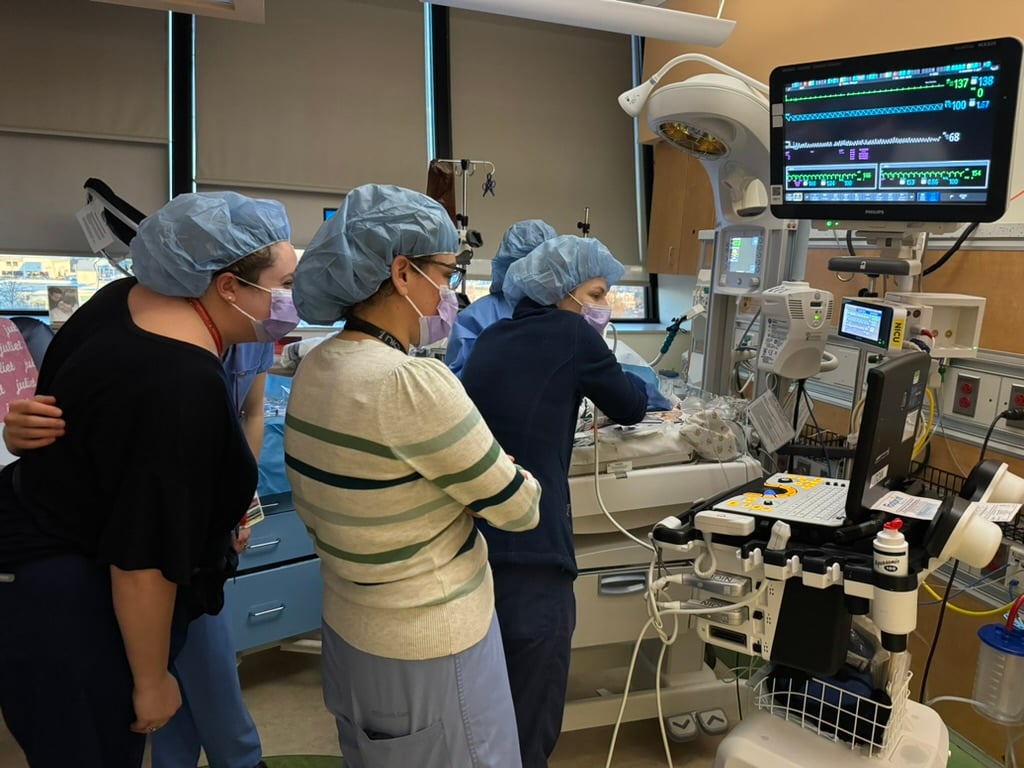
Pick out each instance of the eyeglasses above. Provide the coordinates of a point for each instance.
(457, 276)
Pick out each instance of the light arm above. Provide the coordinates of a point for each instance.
(633, 100)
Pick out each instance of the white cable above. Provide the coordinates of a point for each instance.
(949, 448)
(629, 682)
(676, 608)
(657, 696)
(1011, 755)
(600, 500)
(709, 554)
(962, 699)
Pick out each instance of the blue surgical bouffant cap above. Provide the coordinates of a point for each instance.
(178, 249)
(351, 254)
(558, 266)
(519, 239)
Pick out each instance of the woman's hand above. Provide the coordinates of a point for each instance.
(155, 703)
(31, 424)
(240, 540)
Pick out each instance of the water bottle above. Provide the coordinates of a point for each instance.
(890, 546)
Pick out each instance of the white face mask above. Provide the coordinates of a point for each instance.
(597, 315)
(434, 328)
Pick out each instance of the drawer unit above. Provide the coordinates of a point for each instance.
(610, 606)
(269, 606)
(278, 538)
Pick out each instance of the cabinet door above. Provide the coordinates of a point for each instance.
(682, 205)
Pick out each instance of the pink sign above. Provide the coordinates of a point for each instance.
(18, 374)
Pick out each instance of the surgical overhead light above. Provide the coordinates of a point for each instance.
(720, 118)
(628, 18)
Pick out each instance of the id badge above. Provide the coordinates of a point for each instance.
(254, 514)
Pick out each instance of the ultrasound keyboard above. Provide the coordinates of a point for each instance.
(796, 498)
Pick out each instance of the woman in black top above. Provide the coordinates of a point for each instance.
(116, 534)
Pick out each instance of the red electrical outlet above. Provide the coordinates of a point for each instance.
(965, 401)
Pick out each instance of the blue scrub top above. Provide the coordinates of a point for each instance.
(470, 323)
(243, 362)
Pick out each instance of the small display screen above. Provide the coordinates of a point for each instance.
(861, 322)
(743, 254)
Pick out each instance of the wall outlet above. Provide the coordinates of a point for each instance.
(1014, 568)
(967, 389)
(1014, 399)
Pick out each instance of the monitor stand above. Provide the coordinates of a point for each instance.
(901, 246)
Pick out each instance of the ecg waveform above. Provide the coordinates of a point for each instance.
(949, 176)
(841, 114)
(832, 178)
(841, 143)
(872, 92)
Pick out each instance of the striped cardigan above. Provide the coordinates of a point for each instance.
(387, 457)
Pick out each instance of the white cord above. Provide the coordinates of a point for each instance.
(600, 500)
(1010, 758)
(709, 554)
(657, 696)
(949, 448)
(629, 682)
(962, 699)
(676, 608)
(721, 6)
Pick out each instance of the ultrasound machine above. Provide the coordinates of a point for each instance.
(895, 146)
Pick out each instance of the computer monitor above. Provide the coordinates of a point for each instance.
(888, 427)
(923, 135)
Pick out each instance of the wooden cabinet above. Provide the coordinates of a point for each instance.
(682, 204)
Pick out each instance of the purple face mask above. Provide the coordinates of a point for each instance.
(434, 328)
(596, 315)
(283, 317)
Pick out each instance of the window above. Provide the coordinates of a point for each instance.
(628, 302)
(24, 280)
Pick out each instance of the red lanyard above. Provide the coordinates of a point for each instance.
(208, 321)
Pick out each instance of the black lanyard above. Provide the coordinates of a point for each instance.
(360, 325)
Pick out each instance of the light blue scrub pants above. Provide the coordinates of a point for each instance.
(451, 712)
(213, 714)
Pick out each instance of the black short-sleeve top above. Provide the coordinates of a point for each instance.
(153, 471)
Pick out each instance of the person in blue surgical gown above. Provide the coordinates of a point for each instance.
(519, 239)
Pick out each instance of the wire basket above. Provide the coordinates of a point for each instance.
(938, 481)
(810, 435)
(835, 713)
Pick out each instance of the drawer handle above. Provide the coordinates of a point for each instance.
(619, 584)
(271, 505)
(263, 545)
(260, 614)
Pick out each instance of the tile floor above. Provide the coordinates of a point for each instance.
(283, 693)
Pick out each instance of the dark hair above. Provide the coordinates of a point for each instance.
(250, 267)
(385, 289)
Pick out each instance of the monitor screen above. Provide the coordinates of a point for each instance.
(863, 323)
(328, 212)
(885, 444)
(923, 135)
(743, 254)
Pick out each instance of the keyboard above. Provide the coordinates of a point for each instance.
(795, 498)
